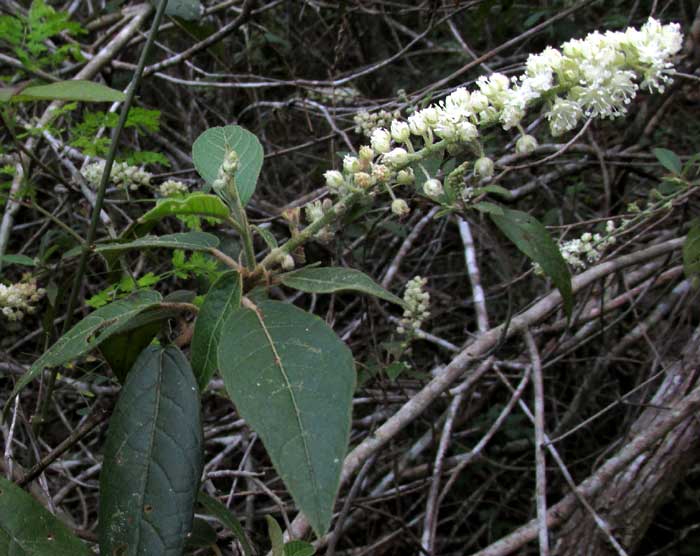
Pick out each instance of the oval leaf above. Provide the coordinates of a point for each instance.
(222, 299)
(197, 204)
(669, 160)
(18, 259)
(691, 251)
(532, 238)
(210, 147)
(299, 548)
(74, 89)
(336, 279)
(89, 333)
(26, 527)
(189, 10)
(292, 380)
(192, 241)
(153, 458)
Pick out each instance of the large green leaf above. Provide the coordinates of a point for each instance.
(223, 297)
(292, 380)
(153, 458)
(532, 238)
(669, 160)
(27, 529)
(691, 251)
(336, 279)
(197, 204)
(192, 241)
(216, 509)
(89, 333)
(122, 350)
(210, 147)
(71, 90)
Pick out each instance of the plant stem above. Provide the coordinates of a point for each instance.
(99, 201)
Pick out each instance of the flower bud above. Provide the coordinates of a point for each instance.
(366, 153)
(405, 177)
(478, 101)
(399, 207)
(525, 144)
(467, 132)
(351, 164)
(396, 157)
(230, 164)
(334, 180)
(400, 131)
(483, 167)
(381, 140)
(433, 188)
(363, 180)
(288, 262)
(417, 125)
(381, 173)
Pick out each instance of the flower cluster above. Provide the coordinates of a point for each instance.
(173, 188)
(315, 210)
(17, 299)
(367, 122)
(227, 171)
(122, 175)
(588, 249)
(417, 302)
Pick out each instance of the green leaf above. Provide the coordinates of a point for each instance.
(669, 160)
(18, 259)
(299, 548)
(215, 508)
(336, 279)
(431, 164)
(267, 236)
(197, 204)
(192, 241)
(691, 251)
(89, 333)
(153, 458)
(210, 147)
(275, 534)
(292, 380)
(223, 297)
(532, 238)
(488, 208)
(74, 89)
(122, 350)
(189, 10)
(28, 529)
(496, 190)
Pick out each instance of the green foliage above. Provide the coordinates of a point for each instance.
(292, 380)
(27, 528)
(669, 160)
(216, 509)
(89, 333)
(223, 298)
(197, 264)
(336, 279)
(73, 90)
(153, 458)
(83, 135)
(121, 289)
(532, 238)
(193, 241)
(194, 204)
(210, 147)
(186, 9)
(27, 36)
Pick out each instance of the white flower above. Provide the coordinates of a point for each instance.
(396, 157)
(351, 164)
(173, 188)
(381, 140)
(417, 125)
(334, 180)
(416, 302)
(433, 188)
(405, 176)
(400, 131)
(16, 300)
(483, 167)
(399, 207)
(525, 144)
(467, 132)
(563, 116)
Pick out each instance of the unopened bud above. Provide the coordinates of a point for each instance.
(288, 262)
(400, 207)
(483, 167)
(433, 188)
(525, 144)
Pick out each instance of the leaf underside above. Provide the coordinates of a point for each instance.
(292, 380)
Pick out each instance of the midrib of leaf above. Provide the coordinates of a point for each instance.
(219, 320)
(297, 413)
(151, 441)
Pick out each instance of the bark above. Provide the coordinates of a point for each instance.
(632, 497)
